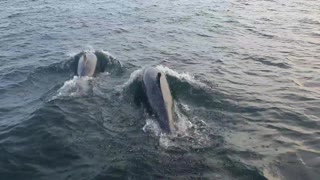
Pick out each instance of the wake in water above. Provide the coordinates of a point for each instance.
(189, 133)
(78, 86)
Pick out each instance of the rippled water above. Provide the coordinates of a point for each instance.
(244, 76)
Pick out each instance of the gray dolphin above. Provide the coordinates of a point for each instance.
(93, 63)
(159, 98)
(87, 64)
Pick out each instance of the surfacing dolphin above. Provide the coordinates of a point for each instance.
(92, 63)
(87, 64)
(158, 97)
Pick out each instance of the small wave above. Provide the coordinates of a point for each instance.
(133, 76)
(130, 86)
(107, 53)
(20, 76)
(311, 21)
(111, 58)
(14, 15)
(270, 62)
(78, 86)
(152, 126)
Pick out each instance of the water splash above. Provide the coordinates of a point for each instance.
(152, 127)
(182, 124)
(189, 133)
(78, 86)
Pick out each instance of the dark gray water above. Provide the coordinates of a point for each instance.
(244, 76)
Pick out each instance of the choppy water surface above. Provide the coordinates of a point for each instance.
(244, 76)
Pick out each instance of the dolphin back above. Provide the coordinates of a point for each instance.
(159, 97)
(87, 64)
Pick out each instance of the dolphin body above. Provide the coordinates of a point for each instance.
(158, 97)
(92, 63)
(87, 64)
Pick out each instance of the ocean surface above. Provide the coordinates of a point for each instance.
(244, 74)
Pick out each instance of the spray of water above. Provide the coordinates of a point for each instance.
(78, 86)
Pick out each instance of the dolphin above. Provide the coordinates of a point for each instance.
(93, 62)
(87, 64)
(158, 97)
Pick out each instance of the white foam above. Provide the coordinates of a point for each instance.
(182, 124)
(186, 135)
(152, 126)
(166, 142)
(78, 86)
(185, 107)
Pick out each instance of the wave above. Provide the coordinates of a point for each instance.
(269, 61)
(78, 86)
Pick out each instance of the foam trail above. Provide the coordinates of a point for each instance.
(166, 142)
(187, 134)
(152, 126)
(182, 124)
(77, 86)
